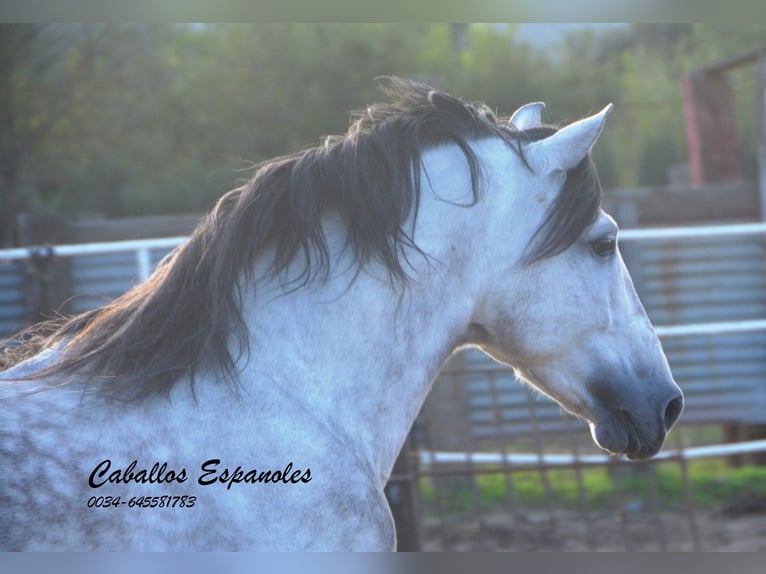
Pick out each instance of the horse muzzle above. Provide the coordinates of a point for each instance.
(636, 427)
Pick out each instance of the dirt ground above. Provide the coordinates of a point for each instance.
(739, 527)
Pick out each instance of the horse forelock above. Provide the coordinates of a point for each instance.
(186, 315)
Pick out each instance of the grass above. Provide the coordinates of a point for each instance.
(711, 482)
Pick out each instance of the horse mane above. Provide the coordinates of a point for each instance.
(186, 315)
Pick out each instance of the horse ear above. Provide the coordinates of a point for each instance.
(527, 116)
(568, 146)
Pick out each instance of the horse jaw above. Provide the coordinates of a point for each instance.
(625, 417)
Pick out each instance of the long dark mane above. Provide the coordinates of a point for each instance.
(186, 316)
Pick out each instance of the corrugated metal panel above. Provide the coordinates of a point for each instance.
(500, 404)
(12, 312)
(716, 279)
(97, 279)
(708, 280)
(723, 376)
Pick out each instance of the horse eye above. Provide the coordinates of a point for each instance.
(604, 247)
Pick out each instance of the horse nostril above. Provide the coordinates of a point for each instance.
(673, 411)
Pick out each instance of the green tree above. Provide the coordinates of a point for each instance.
(136, 119)
(20, 128)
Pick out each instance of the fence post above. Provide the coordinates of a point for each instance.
(48, 278)
(144, 263)
(401, 492)
(711, 131)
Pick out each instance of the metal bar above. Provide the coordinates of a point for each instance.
(715, 328)
(732, 62)
(431, 457)
(96, 248)
(540, 454)
(144, 263)
(718, 328)
(497, 416)
(691, 508)
(654, 506)
(619, 506)
(142, 247)
(582, 491)
(692, 232)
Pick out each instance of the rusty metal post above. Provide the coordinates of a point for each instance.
(711, 128)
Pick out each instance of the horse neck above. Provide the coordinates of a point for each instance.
(361, 356)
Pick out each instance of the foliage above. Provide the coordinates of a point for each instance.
(711, 485)
(138, 119)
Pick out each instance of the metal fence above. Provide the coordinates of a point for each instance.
(519, 474)
(550, 488)
(492, 465)
(97, 272)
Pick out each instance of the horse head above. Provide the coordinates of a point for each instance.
(564, 313)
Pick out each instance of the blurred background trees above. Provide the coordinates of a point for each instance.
(144, 119)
